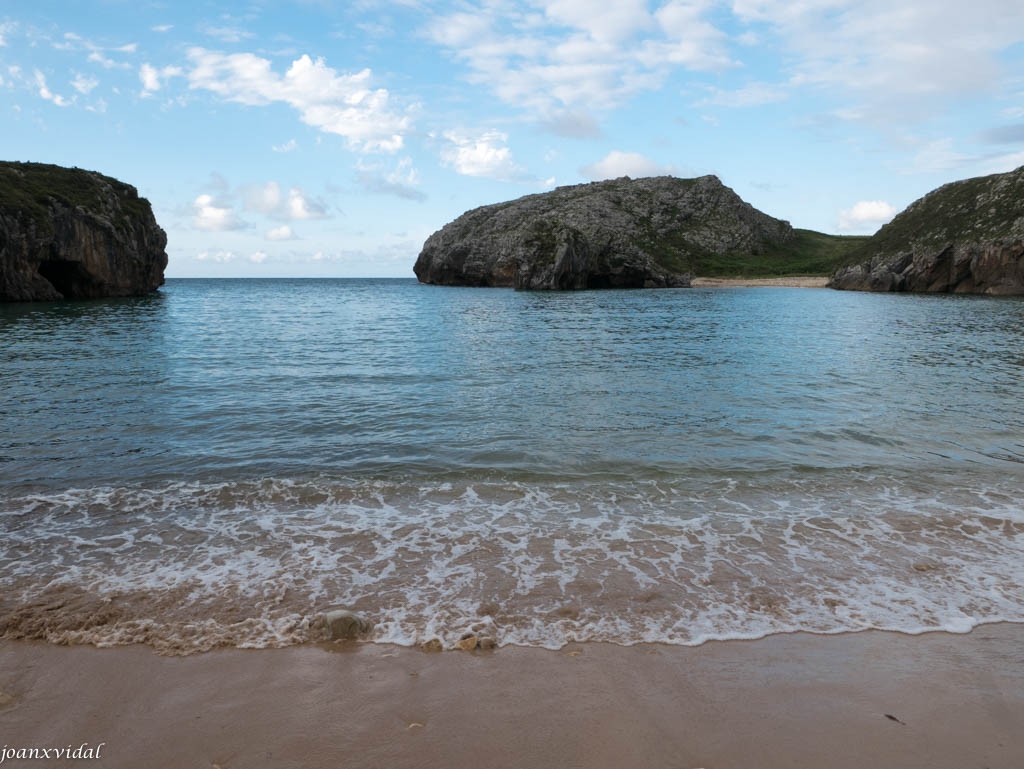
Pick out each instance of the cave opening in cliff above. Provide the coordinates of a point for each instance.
(70, 278)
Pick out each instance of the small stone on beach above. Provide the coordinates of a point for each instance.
(486, 643)
(433, 645)
(5, 699)
(344, 624)
(468, 644)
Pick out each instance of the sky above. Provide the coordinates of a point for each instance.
(321, 138)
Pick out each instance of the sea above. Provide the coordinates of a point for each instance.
(219, 462)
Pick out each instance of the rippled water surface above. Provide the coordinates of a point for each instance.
(218, 462)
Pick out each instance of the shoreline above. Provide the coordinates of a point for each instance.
(872, 698)
(795, 281)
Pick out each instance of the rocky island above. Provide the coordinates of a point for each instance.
(67, 233)
(621, 233)
(966, 237)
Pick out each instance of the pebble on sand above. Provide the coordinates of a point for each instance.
(344, 624)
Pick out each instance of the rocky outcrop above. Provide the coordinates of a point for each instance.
(66, 233)
(621, 233)
(966, 238)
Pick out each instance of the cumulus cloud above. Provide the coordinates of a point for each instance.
(616, 164)
(257, 257)
(401, 182)
(576, 54)
(284, 232)
(213, 215)
(482, 155)
(222, 257)
(271, 200)
(865, 216)
(152, 79)
(342, 104)
(301, 207)
(288, 146)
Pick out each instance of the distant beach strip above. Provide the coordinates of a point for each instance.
(795, 281)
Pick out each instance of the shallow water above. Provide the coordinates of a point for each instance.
(216, 463)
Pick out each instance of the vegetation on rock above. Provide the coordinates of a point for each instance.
(67, 233)
(964, 237)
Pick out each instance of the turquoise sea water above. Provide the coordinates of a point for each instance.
(217, 462)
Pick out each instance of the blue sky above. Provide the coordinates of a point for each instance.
(281, 138)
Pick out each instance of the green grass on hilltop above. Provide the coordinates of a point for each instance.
(27, 188)
(809, 253)
(966, 211)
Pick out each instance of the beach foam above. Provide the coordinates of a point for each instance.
(186, 567)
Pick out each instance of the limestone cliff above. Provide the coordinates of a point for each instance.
(966, 237)
(621, 233)
(66, 233)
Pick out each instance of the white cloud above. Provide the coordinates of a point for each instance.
(301, 207)
(401, 182)
(257, 257)
(576, 54)
(84, 84)
(212, 215)
(937, 155)
(270, 200)
(264, 198)
(152, 78)
(866, 216)
(222, 257)
(751, 95)
(1003, 163)
(284, 232)
(162, 28)
(483, 155)
(46, 93)
(616, 164)
(903, 61)
(5, 29)
(342, 104)
(288, 146)
(228, 34)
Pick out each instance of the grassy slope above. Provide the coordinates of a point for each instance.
(809, 253)
(26, 188)
(970, 210)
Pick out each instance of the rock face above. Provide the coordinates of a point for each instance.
(622, 233)
(966, 238)
(66, 233)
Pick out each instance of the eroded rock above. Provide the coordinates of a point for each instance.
(966, 237)
(621, 233)
(66, 233)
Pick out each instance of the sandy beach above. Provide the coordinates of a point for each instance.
(789, 282)
(872, 699)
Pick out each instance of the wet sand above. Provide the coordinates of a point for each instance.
(790, 282)
(785, 701)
